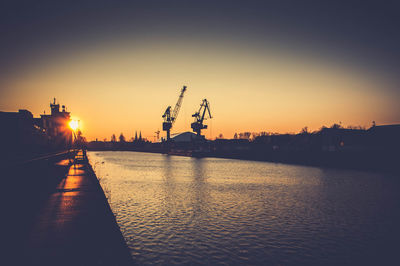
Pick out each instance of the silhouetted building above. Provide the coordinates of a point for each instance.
(336, 139)
(20, 131)
(56, 125)
(385, 136)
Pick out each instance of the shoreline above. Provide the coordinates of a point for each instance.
(334, 160)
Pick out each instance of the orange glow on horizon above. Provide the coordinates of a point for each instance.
(126, 88)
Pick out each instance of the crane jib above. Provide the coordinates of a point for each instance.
(178, 105)
(170, 118)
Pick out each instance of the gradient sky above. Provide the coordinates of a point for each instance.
(263, 65)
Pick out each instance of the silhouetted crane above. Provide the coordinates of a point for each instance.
(197, 125)
(169, 119)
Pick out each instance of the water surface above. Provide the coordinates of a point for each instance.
(181, 210)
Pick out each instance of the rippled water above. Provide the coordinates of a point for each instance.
(180, 210)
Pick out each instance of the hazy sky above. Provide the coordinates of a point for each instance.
(263, 65)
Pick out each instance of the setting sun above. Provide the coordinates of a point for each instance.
(74, 124)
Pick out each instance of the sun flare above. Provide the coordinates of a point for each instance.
(73, 124)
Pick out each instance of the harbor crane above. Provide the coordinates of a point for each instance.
(170, 118)
(199, 116)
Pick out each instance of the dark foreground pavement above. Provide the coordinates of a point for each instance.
(73, 225)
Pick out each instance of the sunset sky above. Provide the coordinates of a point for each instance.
(264, 66)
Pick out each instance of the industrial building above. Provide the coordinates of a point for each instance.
(23, 133)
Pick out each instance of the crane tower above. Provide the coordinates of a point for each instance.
(170, 117)
(199, 116)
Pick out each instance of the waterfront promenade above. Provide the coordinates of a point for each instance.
(74, 225)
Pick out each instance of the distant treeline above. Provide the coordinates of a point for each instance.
(135, 143)
(253, 135)
(376, 148)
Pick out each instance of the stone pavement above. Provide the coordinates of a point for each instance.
(76, 226)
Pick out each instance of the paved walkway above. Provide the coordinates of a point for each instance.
(76, 226)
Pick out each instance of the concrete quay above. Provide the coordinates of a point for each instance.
(74, 225)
